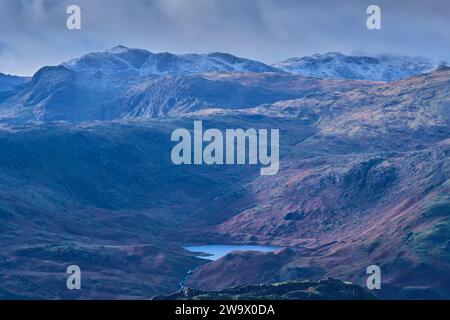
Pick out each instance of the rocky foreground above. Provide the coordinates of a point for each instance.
(329, 289)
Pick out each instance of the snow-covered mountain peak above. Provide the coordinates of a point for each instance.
(121, 59)
(340, 66)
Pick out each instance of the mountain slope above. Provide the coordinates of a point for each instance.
(9, 85)
(368, 186)
(8, 81)
(175, 96)
(59, 93)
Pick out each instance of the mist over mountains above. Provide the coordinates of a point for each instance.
(87, 179)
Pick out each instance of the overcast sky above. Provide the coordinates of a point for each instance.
(33, 33)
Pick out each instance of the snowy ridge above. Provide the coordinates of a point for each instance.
(139, 62)
(339, 66)
(142, 62)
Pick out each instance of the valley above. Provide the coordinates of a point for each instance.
(86, 178)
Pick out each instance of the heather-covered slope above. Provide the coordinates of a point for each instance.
(105, 197)
(369, 186)
(10, 85)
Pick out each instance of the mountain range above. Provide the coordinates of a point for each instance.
(123, 83)
(140, 62)
(87, 179)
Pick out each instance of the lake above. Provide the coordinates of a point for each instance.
(215, 252)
